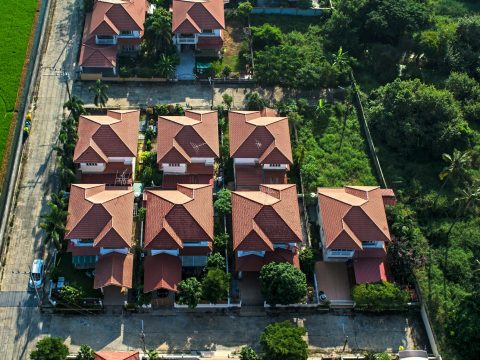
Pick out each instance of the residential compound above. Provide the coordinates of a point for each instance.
(100, 231)
(265, 227)
(198, 25)
(187, 147)
(353, 228)
(112, 28)
(260, 148)
(107, 147)
(178, 234)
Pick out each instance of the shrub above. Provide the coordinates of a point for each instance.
(253, 101)
(216, 261)
(247, 353)
(282, 283)
(50, 348)
(85, 353)
(125, 72)
(222, 242)
(215, 285)
(244, 9)
(307, 260)
(379, 296)
(266, 35)
(189, 292)
(70, 294)
(223, 204)
(284, 341)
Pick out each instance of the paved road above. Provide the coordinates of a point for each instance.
(20, 322)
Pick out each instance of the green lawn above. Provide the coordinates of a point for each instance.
(16, 18)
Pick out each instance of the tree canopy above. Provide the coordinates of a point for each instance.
(283, 283)
(50, 348)
(215, 285)
(418, 120)
(284, 341)
(189, 292)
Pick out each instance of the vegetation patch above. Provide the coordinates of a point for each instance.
(16, 19)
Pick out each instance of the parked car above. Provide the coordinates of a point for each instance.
(36, 275)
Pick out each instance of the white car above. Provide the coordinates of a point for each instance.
(36, 276)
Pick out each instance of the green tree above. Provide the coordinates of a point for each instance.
(223, 204)
(247, 353)
(50, 348)
(70, 294)
(244, 10)
(221, 243)
(215, 261)
(417, 119)
(166, 65)
(284, 341)
(75, 105)
(253, 101)
(464, 54)
(266, 35)
(227, 100)
(99, 91)
(189, 292)
(53, 223)
(307, 260)
(463, 87)
(282, 283)
(158, 33)
(215, 285)
(85, 353)
(456, 165)
(379, 296)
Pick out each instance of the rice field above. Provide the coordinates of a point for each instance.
(16, 18)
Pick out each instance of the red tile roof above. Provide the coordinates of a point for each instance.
(253, 135)
(193, 16)
(177, 216)
(104, 215)
(101, 137)
(369, 270)
(162, 271)
(82, 250)
(170, 181)
(110, 17)
(182, 137)
(255, 263)
(261, 218)
(114, 269)
(207, 42)
(117, 355)
(251, 176)
(351, 215)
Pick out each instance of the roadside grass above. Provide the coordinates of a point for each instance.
(76, 277)
(16, 19)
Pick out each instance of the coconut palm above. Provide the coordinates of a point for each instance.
(54, 224)
(99, 91)
(456, 165)
(340, 60)
(166, 65)
(158, 31)
(65, 173)
(75, 105)
(68, 136)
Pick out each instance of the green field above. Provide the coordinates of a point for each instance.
(16, 18)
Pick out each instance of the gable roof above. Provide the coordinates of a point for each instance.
(182, 137)
(117, 355)
(110, 17)
(352, 214)
(261, 218)
(114, 269)
(101, 137)
(193, 16)
(104, 215)
(255, 134)
(176, 216)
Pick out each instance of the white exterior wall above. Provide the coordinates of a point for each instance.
(204, 160)
(104, 251)
(169, 252)
(241, 253)
(182, 169)
(77, 242)
(100, 167)
(245, 161)
(179, 39)
(124, 160)
(269, 167)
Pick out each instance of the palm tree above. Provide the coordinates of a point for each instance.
(341, 60)
(54, 224)
(68, 136)
(65, 173)
(99, 90)
(75, 105)
(158, 31)
(456, 164)
(165, 66)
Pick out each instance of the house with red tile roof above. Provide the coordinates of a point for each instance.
(260, 148)
(178, 233)
(265, 226)
(187, 147)
(99, 232)
(106, 149)
(117, 355)
(353, 227)
(198, 25)
(113, 27)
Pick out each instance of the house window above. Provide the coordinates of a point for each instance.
(91, 164)
(194, 261)
(275, 165)
(372, 244)
(174, 165)
(85, 241)
(207, 31)
(126, 33)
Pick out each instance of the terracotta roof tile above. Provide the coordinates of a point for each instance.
(117, 355)
(101, 137)
(369, 270)
(273, 209)
(118, 16)
(182, 137)
(105, 215)
(255, 262)
(199, 14)
(114, 269)
(186, 214)
(162, 271)
(351, 215)
(254, 136)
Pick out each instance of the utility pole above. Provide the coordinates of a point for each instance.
(66, 77)
(142, 337)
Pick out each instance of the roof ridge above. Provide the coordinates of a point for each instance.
(366, 213)
(342, 201)
(240, 193)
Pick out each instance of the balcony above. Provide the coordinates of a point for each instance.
(105, 40)
(340, 253)
(184, 40)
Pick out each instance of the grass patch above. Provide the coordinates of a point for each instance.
(16, 19)
(76, 277)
